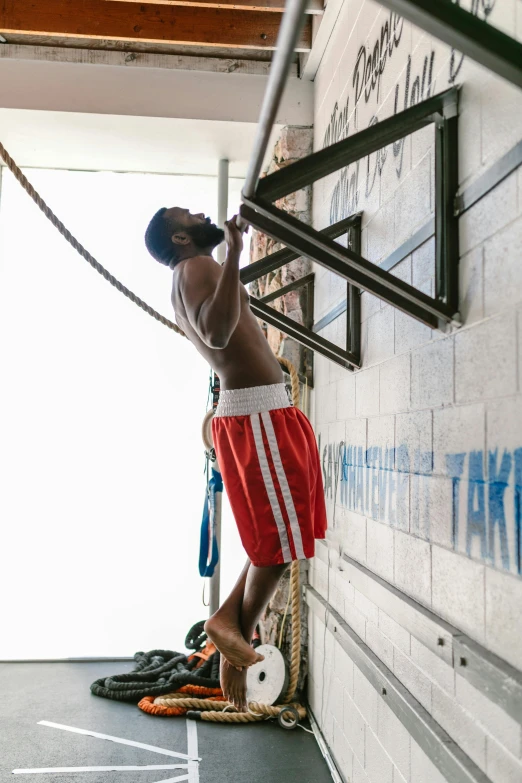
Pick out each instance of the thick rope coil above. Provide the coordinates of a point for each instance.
(49, 214)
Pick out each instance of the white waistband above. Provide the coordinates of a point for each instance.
(257, 399)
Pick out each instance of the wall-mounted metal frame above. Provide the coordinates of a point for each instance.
(259, 211)
(466, 32)
(348, 356)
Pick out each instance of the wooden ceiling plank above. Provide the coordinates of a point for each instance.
(128, 21)
(274, 6)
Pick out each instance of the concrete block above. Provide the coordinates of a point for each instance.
(395, 632)
(432, 374)
(457, 431)
(395, 384)
(402, 270)
(380, 644)
(431, 508)
(359, 775)
(493, 344)
(422, 768)
(355, 619)
(325, 404)
(423, 263)
(460, 726)
(334, 699)
(501, 115)
(502, 270)
(501, 766)
(458, 591)
(379, 342)
(381, 435)
(354, 728)
(470, 155)
(412, 678)
(367, 392)
(414, 442)
(379, 549)
(379, 767)
(471, 274)
(409, 333)
(489, 215)
(434, 667)
(497, 722)
(343, 667)
(394, 499)
(412, 200)
(353, 530)
(366, 607)
(369, 305)
(366, 699)
(503, 602)
(413, 567)
(345, 397)
(395, 739)
(381, 234)
(342, 752)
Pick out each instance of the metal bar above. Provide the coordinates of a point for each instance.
(336, 156)
(490, 179)
(276, 260)
(288, 36)
(353, 298)
(223, 173)
(447, 286)
(470, 35)
(302, 335)
(344, 262)
(436, 743)
(286, 289)
(415, 241)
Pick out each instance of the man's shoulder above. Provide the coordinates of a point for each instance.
(197, 267)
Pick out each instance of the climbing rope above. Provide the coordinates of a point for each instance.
(57, 223)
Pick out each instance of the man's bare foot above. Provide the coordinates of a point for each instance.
(233, 685)
(231, 644)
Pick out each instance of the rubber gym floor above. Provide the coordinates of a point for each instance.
(58, 693)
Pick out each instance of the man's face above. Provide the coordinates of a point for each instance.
(204, 234)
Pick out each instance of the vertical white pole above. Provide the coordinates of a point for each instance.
(215, 581)
(222, 203)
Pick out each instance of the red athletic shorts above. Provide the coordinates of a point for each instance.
(269, 461)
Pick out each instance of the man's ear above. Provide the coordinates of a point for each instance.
(180, 238)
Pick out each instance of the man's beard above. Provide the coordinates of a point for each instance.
(206, 235)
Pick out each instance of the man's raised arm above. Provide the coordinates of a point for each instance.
(211, 294)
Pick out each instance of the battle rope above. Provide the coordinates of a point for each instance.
(57, 223)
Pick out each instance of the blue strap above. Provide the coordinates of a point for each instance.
(208, 551)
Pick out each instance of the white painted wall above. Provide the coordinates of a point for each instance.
(432, 423)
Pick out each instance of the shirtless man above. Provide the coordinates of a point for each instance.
(266, 448)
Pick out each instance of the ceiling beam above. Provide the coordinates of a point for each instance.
(128, 21)
(277, 6)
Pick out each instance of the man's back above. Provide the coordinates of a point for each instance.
(247, 359)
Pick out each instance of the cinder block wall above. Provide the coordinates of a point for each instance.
(421, 448)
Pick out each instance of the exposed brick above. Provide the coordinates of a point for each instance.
(458, 591)
(489, 344)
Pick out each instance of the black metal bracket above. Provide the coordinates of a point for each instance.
(319, 246)
(348, 356)
(472, 36)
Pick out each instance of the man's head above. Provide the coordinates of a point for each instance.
(174, 234)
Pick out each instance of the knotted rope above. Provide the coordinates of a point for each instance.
(57, 223)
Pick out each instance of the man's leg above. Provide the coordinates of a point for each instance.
(231, 628)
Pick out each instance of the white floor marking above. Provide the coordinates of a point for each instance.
(192, 748)
(120, 741)
(176, 780)
(148, 768)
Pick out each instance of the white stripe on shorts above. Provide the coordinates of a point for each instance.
(269, 486)
(283, 483)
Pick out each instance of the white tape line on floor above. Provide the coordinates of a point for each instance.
(192, 748)
(113, 768)
(119, 740)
